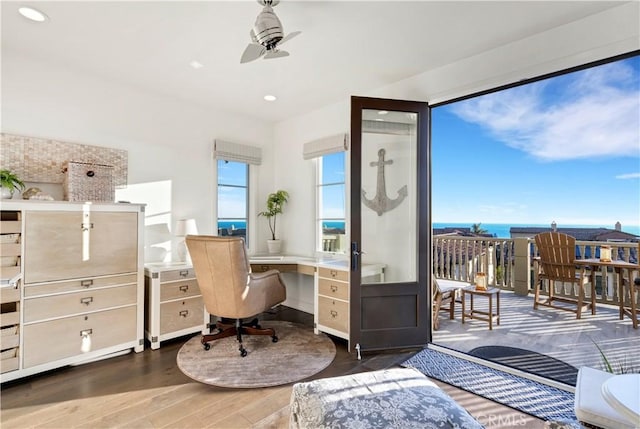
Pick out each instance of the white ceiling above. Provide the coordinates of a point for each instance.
(346, 48)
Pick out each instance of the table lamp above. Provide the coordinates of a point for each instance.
(185, 227)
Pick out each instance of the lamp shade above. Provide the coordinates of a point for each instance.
(185, 227)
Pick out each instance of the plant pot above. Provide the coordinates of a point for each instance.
(274, 246)
(6, 193)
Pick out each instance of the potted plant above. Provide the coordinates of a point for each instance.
(275, 202)
(9, 183)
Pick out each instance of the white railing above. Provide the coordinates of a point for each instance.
(508, 263)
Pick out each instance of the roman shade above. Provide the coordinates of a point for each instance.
(230, 151)
(326, 146)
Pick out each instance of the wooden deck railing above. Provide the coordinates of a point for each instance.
(508, 263)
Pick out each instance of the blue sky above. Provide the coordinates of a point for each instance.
(566, 149)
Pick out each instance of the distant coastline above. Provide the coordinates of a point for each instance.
(502, 230)
(499, 230)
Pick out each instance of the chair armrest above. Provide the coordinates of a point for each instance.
(264, 274)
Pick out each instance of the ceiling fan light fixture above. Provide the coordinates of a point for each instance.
(270, 97)
(32, 14)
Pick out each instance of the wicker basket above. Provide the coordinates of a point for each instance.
(84, 181)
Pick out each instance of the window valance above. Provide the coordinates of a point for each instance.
(326, 146)
(230, 151)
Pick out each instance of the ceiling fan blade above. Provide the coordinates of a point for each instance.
(276, 54)
(252, 52)
(289, 37)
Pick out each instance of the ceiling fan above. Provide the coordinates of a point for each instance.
(266, 35)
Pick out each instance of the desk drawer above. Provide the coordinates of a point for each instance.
(179, 289)
(78, 285)
(9, 337)
(48, 307)
(181, 274)
(283, 268)
(182, 314)
(333, 289)
(330, 273)
(333, 313)
(58, 339)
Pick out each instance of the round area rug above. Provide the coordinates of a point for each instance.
(298, 354)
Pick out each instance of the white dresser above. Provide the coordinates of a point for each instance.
(81, 293)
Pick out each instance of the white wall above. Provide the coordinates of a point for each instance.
(169, 142)
(613, 32)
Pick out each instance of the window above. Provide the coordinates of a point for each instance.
(331, 216)
(233, 192)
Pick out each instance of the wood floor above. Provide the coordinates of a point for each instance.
(147, 390)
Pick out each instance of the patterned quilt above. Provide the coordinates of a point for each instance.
(393, 398)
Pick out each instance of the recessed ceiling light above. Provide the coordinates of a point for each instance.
(270, 98)
(196, 64)
(382, 112)
(32, 14)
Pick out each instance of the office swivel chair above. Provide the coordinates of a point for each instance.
(230, 290)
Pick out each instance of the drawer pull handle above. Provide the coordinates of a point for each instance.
(86, 283)
(85, 345)
(184, 313)
(334, 273)
(184, 273)
(184, 288)
(87, 300)
(334, 288)
(334, 314)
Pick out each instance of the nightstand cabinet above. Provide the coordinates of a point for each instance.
(173, 303)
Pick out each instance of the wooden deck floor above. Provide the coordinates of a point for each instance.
(556, 333)
(147, 390)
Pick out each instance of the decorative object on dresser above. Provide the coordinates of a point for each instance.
(85, 181)
(275, 204)
(184, 227)
(9, 183)
(81, 296)
(229, 288)
(173, 304)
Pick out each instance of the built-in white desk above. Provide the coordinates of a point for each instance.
(328, 299)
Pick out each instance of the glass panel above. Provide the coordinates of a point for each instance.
(333, 169)
(232, 173)
(332, 201)
(232, 198)
(389, 194)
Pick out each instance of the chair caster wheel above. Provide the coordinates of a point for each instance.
(274, 339)
(243, 352)
(206, 346)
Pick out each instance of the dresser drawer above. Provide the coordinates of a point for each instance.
(9, 360)
(182, 314)
(79, 285)
(9, 337)
(333, 313)
(48, 307)
(58, 339)
(179, 289)
(331, 273)
(169, 276)
(333, 289)
(9, 294)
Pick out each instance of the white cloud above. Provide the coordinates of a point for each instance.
(628, 176)
(593, 113)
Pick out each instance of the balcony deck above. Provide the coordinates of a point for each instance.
(548, 331)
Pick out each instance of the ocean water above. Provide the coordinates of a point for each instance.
(500, 230)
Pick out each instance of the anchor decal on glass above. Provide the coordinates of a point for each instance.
(381, 203)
